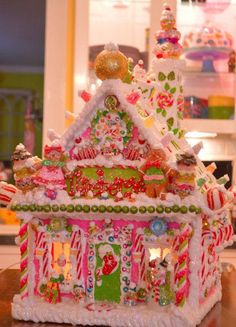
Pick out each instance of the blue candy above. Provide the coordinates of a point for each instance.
(158, 226)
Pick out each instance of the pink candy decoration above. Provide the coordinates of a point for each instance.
(133, 97)
(165, 100)
(86, 96)
(173, 225)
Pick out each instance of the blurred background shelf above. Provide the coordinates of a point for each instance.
(219, 126)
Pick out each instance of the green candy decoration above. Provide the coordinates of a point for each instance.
(142, 209)
(192, 208)
(46, 208)
(32, 207)
(167, 210)
(109, 209)
(55, 208)
(102, 208)
(39, 208)
(18, 207)
(175, 208)
(63, 207)
(133, 209)
(125, 209)
(70, 208)
(78, 208)
(86, 208)
(183, 209)
(25, 207)
(117, 209)
(151, 209)
(94, 208)
(160, 209)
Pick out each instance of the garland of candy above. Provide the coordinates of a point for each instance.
(182, 285)
(23, 233)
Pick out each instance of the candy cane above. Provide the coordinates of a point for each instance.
(175, 247)
(76, 244)
(42, 252)
(137, 242)
(219, 237)
(7, 191)
(206, 234)
(23, 233)
(182, 270)
(229, 232)
(140, 250)
(142, 262)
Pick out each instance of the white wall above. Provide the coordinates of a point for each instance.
(124, 26)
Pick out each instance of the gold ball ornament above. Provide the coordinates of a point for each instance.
(111, 63)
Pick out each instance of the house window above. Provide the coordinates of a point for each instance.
(61, 260)
(159, 252)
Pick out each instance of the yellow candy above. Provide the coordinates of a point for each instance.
(149, 121)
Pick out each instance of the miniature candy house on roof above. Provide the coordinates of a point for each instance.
(121, 223)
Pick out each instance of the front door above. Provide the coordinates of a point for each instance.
(107, 272)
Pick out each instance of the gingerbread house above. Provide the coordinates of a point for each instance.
(121, 223)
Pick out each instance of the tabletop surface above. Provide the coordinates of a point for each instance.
(222, 315)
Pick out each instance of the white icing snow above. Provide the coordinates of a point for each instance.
(115, 316)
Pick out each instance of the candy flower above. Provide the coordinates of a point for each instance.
(133, 97)
(165, 100)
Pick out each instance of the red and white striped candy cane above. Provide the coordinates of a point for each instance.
(137, 241)
(183, 263)
(42, 246)
(156, 289)
(23, 233)
(219, 237)
(7, 191)
(76, 244)
(79, 260)
(175, 247)
(140, 249)
(229, 232)
(206, 237)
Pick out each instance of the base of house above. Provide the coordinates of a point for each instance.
(104, 314)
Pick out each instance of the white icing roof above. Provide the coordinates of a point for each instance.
(117, 88)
